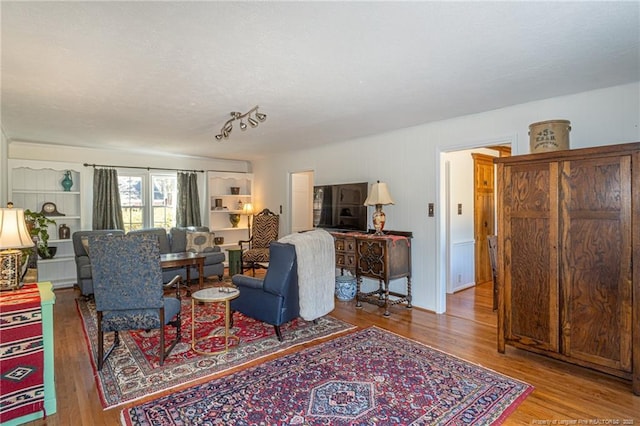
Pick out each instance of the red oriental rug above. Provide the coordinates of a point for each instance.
(21, 353)
(368, 377)
(133, 370)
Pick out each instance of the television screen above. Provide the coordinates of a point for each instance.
(340, 207)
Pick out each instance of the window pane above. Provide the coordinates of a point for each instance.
(131, 198)
(130, 191)
(164, 196)
(133, 218)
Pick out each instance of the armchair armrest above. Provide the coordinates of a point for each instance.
(247, 281)
(242, 242)
(175, 283)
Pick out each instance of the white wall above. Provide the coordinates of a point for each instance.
(3, 167)
(409, 161)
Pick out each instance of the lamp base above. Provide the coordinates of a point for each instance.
(379, 218)
(10, 262)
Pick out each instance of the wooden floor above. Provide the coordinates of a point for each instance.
(563, 394)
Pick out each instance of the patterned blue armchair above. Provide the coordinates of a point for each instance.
(128, 289)
(274, 299)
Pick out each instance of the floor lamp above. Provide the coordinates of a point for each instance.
(248, 210)
(14, 236)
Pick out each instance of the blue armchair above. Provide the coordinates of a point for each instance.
(274, 299)
(128, 289)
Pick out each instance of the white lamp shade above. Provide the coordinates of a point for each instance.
(379, 194)
(13, 230)
(247, 208)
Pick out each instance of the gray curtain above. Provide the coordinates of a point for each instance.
(188, 207)
(107, 210)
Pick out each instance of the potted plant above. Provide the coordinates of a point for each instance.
(38, 225)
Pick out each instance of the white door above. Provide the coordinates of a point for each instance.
(301, 201)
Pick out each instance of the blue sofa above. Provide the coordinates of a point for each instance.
(174, 241)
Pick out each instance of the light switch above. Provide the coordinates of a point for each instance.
(430, 210)
(459, 208)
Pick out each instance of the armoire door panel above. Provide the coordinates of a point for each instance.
(529, 190)
(532, 295)
(596, 276)
(532, 317)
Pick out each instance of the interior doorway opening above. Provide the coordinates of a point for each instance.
(301, 200)
(467, 182)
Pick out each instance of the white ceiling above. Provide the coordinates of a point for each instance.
(164, 76)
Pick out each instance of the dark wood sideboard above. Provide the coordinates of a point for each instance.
(385, 258)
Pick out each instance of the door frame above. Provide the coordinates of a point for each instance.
(443, 243)
(311, 173)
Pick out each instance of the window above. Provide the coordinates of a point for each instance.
(165, 190)
(147, 205)
(132, 200)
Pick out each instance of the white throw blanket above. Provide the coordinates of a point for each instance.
(316, 259)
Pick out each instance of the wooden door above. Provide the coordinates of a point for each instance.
(596, 260)
(529, 239)
(483, 215)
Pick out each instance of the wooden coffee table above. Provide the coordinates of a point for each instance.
(213, 295)
(186, 260)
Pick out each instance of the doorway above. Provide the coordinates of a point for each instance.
(301, 196)
(462, 242)
(483, 214)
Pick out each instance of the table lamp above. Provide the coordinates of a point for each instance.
(13, 237)
(248, 210)
(378, 196)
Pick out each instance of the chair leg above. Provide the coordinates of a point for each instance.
(161, 336)
(278, 332)
(102, 357)
(100, 342)
(177, 323)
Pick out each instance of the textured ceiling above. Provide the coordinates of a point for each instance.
(164, 76)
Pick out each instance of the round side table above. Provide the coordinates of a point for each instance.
(213, 295)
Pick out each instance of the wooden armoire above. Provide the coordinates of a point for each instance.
(568, 240)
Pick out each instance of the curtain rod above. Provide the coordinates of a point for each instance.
(138, 167)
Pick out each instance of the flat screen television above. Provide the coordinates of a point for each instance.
(340, 207)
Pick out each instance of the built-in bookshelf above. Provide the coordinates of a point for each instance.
(31, 185)
(228, 192)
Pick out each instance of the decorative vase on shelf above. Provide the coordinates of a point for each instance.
(64, 232)
(234, 218)
(67, 182)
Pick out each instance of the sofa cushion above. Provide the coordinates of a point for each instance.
(200, 242)
(178, 237)
(213, 257)
(161, 233)
(80, 239)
